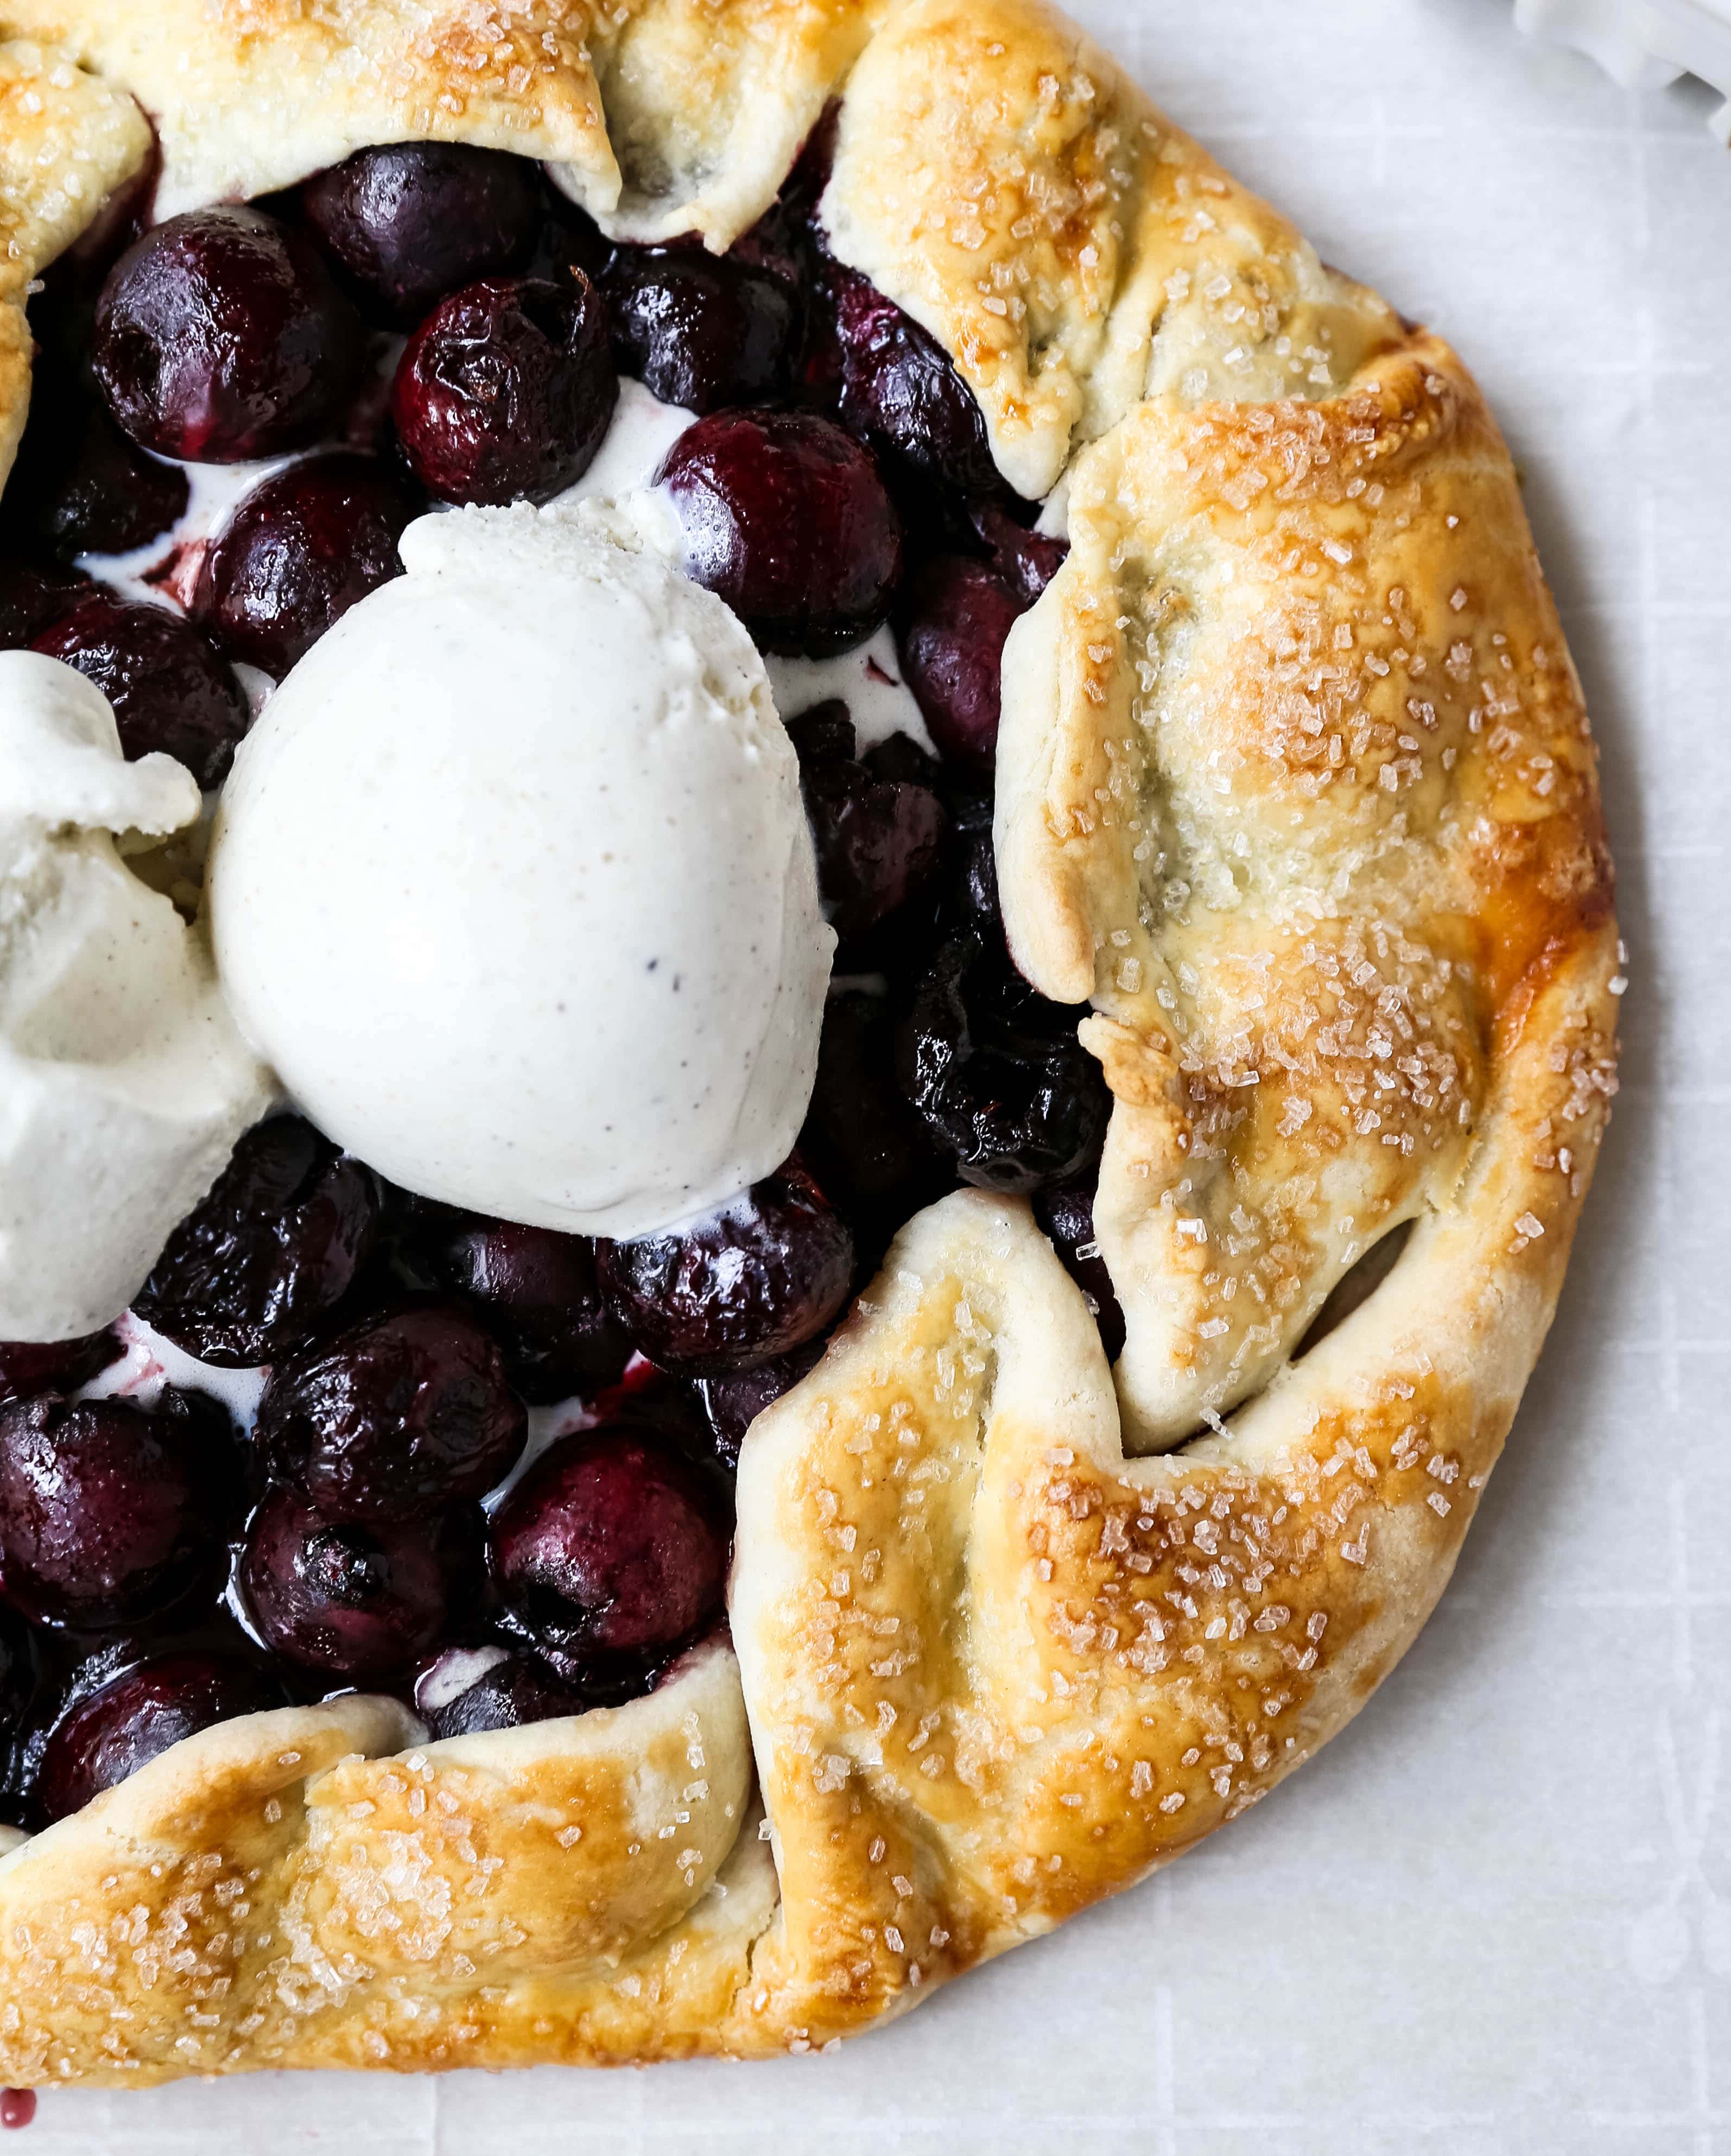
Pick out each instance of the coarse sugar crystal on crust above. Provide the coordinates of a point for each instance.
(1295, 787)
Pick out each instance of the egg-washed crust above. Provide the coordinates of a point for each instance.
(1295, 786)
(662, 116)
(318, 1887)
(67, 141)
(1007, 183)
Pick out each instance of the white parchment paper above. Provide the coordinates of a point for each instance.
(1495, 1916)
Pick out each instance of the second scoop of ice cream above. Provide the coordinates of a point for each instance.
(512, 885)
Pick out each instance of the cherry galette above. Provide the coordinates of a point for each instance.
(864, 498)
(834, 480)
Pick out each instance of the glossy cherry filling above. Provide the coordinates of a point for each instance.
(16, 1671)
(33, 590)
(137, 1715)
(359, 1601)
(28, 1367)
(879, 834)
(81, 486)
(222, 336)
(298, 553)
(170, 691)
(406, 224)
(110, 1511)
(490, 1469)
(699, 329)
(757, 1277)
(538, 1294)
(733, 1403)
(787, 518)
(505, 392)
(609, 1548)
(276, 1244)
(467, 1691)
(397, 1416)
(998, 1073)
(899, 392)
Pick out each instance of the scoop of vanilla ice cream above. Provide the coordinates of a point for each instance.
(123, 1082)
(512, 885)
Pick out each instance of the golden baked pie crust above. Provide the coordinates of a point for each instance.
(1295, 786)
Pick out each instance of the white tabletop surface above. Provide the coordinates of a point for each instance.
(1495, 1916)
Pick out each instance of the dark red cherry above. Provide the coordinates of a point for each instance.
(409, 222)
(899, 392)
(787, 519)
(609, 1546)
(1026, 561)
(570, 242)
(28, 1367)
(135, 1719)
(221, 335)
(32, 595)
(467, 1691)
(296, 555)
(17, 1678)
(699, 329)
(361, 1599)
(169, 689)
(868, 1145)
(1065, 1210)
(62, 312)
(802, 190)
(878, 840)
(80, 486)
(657, 1405)
(538, 1293)
(997, 1071)
(732, 1405)
(971, 875)
(110, 1511)
(277, 1242)
(398, 1416)
(898, 760)
(507, 389)
(764, 1273)
(780, 244)
(822, 735)
(951, 628)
